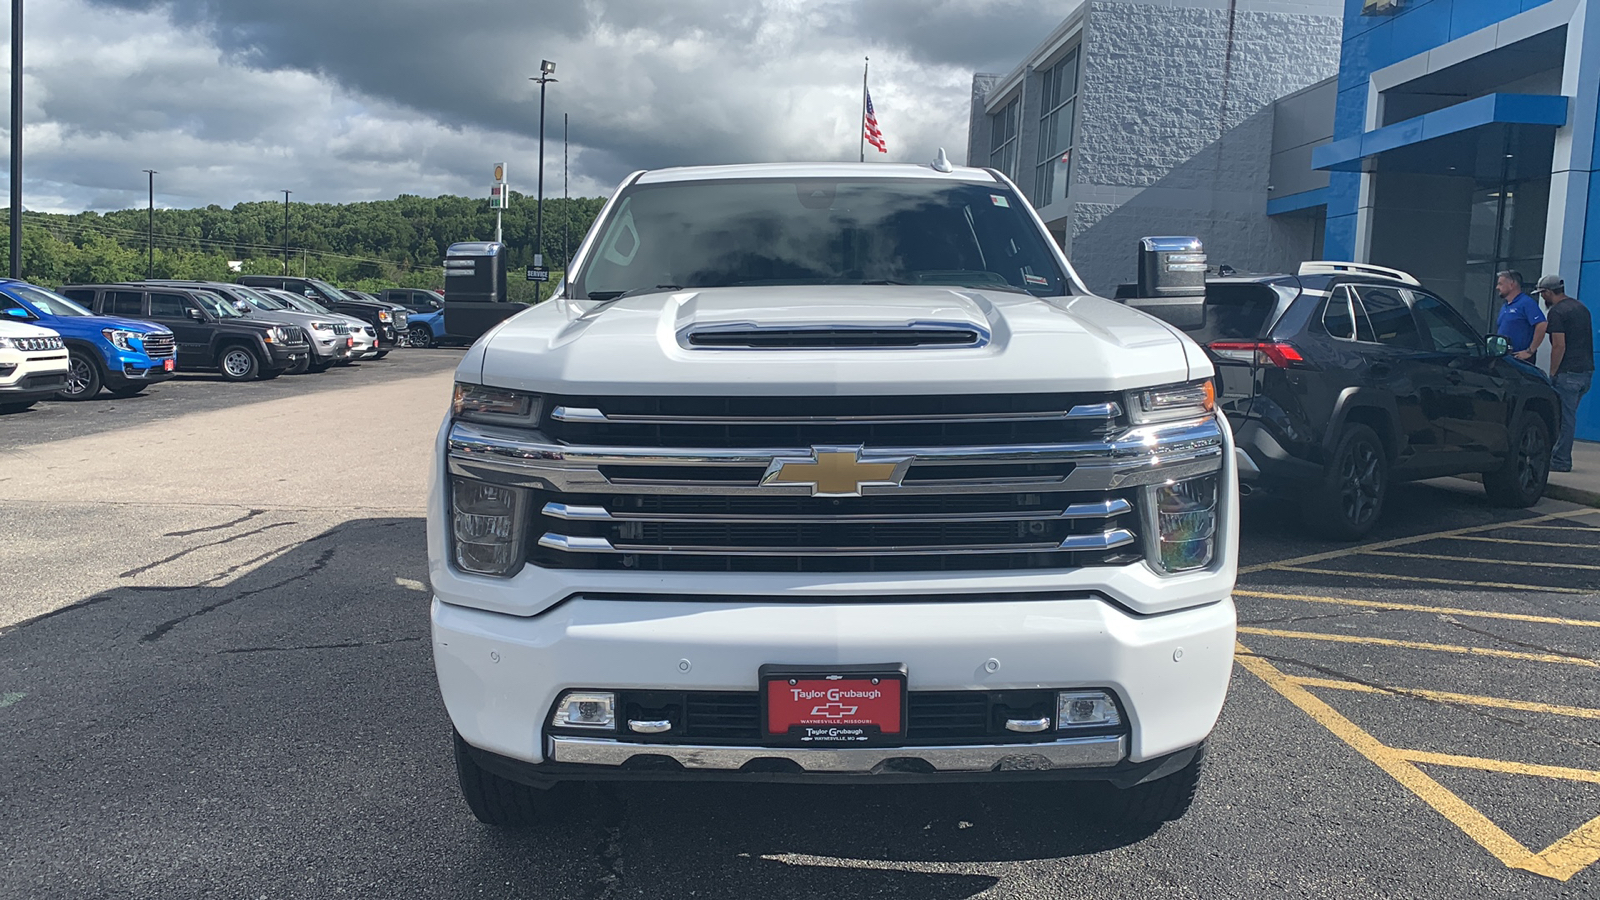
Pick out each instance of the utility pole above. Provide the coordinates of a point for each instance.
(546, 69)
(566, 204)
(16, 138)
(286, 231)
(862, 125)
(150, 229)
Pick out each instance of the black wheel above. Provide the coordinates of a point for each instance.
(17, 406)
(494, 800)
(1520, 481)
(1348, 502)
(128, 390)
(319, 368)
(83, 377)
(300, 366)
(421, 336)
(239, 363)
(381, 354)
(1163, 800)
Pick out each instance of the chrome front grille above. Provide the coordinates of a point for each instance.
(159, 346)
(37, 344)
(341, 328)
(402, 319)
(991, 505)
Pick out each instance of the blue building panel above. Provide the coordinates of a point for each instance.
(1510, 109)
(1339, 241)
(1420, 29)
(1296, 202)
(1591, 233)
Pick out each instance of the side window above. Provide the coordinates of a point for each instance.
(83, 297)
(124, 303)
(1447, 331)
(1337, 317)
(1391, 317)
(168, 306)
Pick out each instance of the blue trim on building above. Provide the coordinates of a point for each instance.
(1296, 202)
(1490, 109)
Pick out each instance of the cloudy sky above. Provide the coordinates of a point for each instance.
(345, 100)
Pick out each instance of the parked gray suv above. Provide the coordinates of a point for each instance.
(330, 336)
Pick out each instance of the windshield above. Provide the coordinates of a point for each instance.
(328, 290)
(306, 304)
(858, 231)
(259, 300)
(217, 306)
(48, 302)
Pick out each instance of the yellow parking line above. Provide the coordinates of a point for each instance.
(1534, 523)
(1419, 538)
(1515, 542)
(1561, 860)
(1478, 559)
(1576, 712)
(1422, 607)
(1384, 576)
(1498, 765)
(1422, 645)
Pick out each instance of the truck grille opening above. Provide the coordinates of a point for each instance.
(836, 338)
(159, 346)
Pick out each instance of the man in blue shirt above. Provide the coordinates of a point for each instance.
(1521, 320)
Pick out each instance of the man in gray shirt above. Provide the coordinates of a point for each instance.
(1571, 332)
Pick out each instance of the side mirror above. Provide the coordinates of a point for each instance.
(17, 312)
(1499, 345)
(196, 314)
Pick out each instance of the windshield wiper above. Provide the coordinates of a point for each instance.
(618, 295)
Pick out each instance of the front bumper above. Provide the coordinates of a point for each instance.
(285, 355)
(24, 377)
(128, 368)
(500, 675)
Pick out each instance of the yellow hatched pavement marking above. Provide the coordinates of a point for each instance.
(1561, 860)
(1417, 539)
(1479, 559)
(1515, 542)
(1421, 607)
(1498, 765)
(1422, 645)
(1576, 712)
(1452, 581)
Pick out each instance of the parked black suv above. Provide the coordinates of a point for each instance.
(387, 323)
(209, 332)
(1346, 377)
(414, 299)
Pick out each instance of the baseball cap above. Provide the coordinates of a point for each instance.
(1551, 283)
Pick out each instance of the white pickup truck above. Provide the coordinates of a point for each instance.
(830, 472)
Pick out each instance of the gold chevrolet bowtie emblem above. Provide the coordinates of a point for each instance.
(836, 471)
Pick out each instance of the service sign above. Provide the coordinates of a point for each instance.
(538, 273)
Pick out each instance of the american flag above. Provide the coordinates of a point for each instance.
(874, 136)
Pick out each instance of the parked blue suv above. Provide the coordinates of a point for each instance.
(123, 355)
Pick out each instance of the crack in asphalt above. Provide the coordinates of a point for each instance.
(239, 521)
(609, 814)
(1514, 642)
(342, 646)
(161, 630)
(182, 553)
(1410, 695)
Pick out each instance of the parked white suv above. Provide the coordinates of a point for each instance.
(33, 364)
(831, 472)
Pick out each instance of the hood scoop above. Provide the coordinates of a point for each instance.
(749, 336)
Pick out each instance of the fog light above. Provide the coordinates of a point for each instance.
(1085, 709)
(586, 709)
(487, 523)
(1185, 520)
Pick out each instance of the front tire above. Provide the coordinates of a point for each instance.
(1520, 481)
(83, 377)
(128, 390)
(1163, 800)
(381, 354)
(238, 363)
(495, 800)
(1348, 502)
(300, 366)
(16, 407)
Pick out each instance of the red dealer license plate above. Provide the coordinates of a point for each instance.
(168, 365)
(812, 705)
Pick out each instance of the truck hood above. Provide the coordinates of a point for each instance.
(641, 344)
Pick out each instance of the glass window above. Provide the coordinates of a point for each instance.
(217, 306)
(83, 296)
(1003, 138)
(1391, 317)
(1337, 317)
(124, 303)
(168, 306)
(1447, 331)
(48, 302)
(776, 231)
(1052, 176)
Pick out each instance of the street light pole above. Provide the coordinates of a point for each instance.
(546, 69)
(150, 229)
(286, 231)
(16, 138)
(566, 204)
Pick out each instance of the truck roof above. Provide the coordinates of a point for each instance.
(813, 170)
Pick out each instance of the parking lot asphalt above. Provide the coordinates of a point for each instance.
(215, 681)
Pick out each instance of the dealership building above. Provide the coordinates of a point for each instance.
(1448, 138)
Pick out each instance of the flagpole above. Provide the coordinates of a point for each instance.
(863, 123)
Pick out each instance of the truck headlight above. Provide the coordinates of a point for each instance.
(1182, 518)
(496, 406)
(322, 326)
(119, 339)
(383, 315)
(487, 524)
(1175, 401)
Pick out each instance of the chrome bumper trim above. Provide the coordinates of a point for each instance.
(1068, 753)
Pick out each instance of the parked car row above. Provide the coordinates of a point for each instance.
(123, 337)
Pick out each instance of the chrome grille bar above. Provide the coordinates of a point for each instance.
(1107, 540)
(578, 414)
(1098, 510)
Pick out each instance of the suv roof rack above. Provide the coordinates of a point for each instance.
(1328, 267)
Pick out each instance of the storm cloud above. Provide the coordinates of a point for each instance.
(344, 100)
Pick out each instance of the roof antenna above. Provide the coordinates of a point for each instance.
(941, 163)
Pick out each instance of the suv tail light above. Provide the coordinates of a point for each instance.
(1259, 353)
